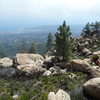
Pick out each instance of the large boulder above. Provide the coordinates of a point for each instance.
(6, 62)
(23, 58)
(31, 69)
(60, 95)
(80, 65)
(92, 87)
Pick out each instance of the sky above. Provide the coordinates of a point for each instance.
(16, 14)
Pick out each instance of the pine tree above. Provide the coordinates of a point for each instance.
(32, 48)
(96, 26)
(64, 43)
(86, 29)
(49, 42)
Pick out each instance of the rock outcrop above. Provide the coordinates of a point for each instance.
(24, 63)
(92, 87)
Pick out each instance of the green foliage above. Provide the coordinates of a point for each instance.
(96, 26)
(86, 29)
(38, 88)
(32, 48)
(64, 43)
(92, 28)
(49, 42)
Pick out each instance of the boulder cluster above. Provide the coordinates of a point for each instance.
(35, 64)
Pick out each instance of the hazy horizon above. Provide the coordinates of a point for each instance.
(17, 14)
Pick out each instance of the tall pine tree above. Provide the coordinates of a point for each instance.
(86, 29)
(64, 43)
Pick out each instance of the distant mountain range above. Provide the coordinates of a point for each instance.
(10, 40)
(36, 34)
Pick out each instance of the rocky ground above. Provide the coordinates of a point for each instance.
(32, 77)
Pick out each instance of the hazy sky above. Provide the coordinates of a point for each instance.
(29, 13)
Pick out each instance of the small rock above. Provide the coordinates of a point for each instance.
(52, 96)
(96, 53)
(62, 95)
(15, 96)
(47, 73)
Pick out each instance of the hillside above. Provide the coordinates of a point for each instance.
(11, 41)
